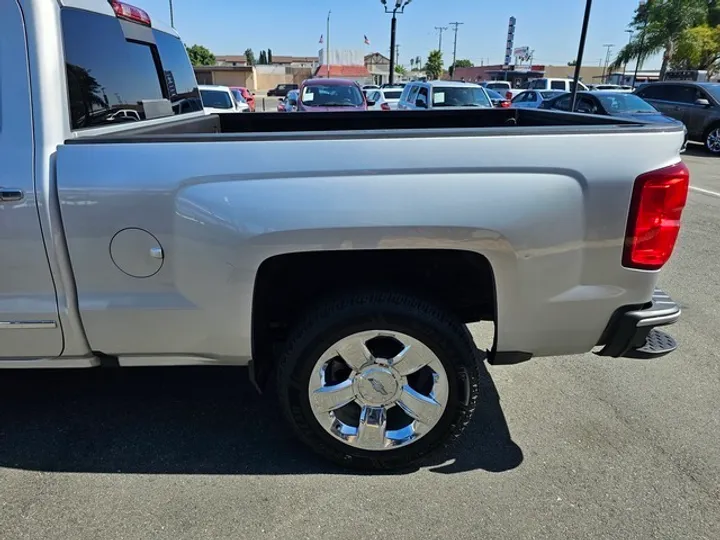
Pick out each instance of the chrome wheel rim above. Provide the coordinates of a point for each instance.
(378, 390)
(713, 140)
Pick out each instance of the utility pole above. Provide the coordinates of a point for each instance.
(440, 30)
(327, 47)
(609, 47)
(172, 15)
(397, 55)
(455, 25)
(396, 6)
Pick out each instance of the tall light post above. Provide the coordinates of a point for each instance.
(581, 51)
(630, 36)
(327, 47)
(646, 6)
(172, 15)
(398, 7)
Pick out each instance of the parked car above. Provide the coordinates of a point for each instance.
(609, 88)
(532, 99)
(564, 85)
(339, 258)
(697, 105)
(290, 103)
(610, 104)
(370, 87)
(281, 90)
(502, 87)
(220, 100)
(497, 100)
(385, 99)
(328, 95)
(443, 94)
(246, 94)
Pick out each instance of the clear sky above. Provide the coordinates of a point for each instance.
(293, 27)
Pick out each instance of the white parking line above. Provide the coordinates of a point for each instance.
(705, 191)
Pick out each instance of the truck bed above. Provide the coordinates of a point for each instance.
(480, 122)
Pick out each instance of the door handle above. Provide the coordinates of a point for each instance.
(11, 195)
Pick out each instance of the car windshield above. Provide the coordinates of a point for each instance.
(319, 95)
(625, 104)
(550, 95)
(216, 99)
(460, 96)
(498, 86)
(494, 95)
(392, 94)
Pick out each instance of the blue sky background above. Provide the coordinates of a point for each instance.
(292, 27)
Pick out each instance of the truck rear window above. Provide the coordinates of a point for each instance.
(118, 71)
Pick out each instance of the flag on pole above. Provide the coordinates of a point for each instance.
(321, 39)
(367, 41)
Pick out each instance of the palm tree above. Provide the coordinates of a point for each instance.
(658, 24)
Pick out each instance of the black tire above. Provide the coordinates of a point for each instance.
(706, 135)
(446, 336)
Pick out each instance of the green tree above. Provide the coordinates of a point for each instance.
(250, 57)
(263, 58)
(698, 48)
(572, 63)
(400, 70)
(658, 26)
(434, 65)
(200, 56)
(269, 56)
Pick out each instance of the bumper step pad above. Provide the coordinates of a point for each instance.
(657, 343)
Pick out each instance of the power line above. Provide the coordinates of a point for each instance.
(455, 25)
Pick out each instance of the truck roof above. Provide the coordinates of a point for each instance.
(104, 7)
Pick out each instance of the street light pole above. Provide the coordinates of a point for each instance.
(327, 47)
(581, 51)
(399, 7)
(638, 62)
(172, 15)
(630, 36)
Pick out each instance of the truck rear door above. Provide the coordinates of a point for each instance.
(29, 321)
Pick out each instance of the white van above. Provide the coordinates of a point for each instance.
(564, 85)
(442, 94)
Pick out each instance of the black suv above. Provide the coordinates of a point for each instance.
(281, 90)
(697, 105)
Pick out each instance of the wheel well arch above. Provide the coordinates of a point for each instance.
(286, 286)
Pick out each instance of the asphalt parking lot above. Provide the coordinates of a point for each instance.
(570, 448)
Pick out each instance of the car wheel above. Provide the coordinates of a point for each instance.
(712, 140)
(378, 380)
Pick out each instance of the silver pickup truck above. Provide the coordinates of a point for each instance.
(339, 254)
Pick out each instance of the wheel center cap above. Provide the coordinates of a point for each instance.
(377, 385)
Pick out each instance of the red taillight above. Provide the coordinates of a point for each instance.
(505, 104)
(657, 203)
(130, 13)
(385, 106)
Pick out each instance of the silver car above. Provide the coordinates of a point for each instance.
(532, 99)
(443, 94)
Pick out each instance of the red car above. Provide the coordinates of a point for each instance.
(247, 96)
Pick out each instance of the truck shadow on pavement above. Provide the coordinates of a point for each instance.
(206, 420)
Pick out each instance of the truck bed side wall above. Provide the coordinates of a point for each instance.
(548, 212)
